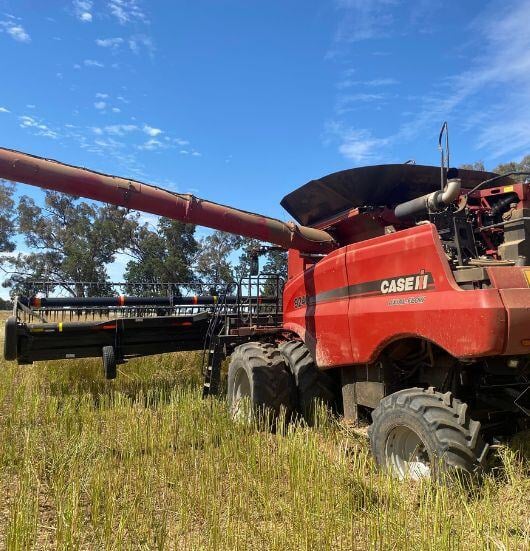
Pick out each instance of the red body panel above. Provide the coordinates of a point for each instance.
(362, 297)
(324, 325)
(513, 284)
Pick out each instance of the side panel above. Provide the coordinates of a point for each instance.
(513, 283)
(400, 285)
(322, 324)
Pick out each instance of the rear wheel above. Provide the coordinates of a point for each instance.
(259, 384)
(313, 386)
(418, 433)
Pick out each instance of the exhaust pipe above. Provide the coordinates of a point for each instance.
(432, 202)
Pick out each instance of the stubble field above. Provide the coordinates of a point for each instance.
(144, 463)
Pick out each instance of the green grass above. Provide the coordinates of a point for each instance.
(144, 463)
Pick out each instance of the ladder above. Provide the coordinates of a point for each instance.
(212, 354)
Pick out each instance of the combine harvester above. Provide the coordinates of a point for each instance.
(408, 298)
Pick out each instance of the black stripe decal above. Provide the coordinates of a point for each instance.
(364, 289)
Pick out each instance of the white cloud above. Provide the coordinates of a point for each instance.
(193, 152)
(15, 30)
(151, 145)
(375, 83)
(376, 19)
(83, 10)
(138, 42)
(112, 43)
(37, 127)
(349, 102)
(364, 19)
(101, 95)
(93, 63)
(489, 98)
(120, 129)
(109, 143)
(4, 110)
(502, 70)
(116, 110)
(126, 11)
(26, 120)
(351, 98)
(151, 131)
(100, 105)
(357, 145)
(381, 82)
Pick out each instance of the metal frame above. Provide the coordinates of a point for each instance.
(48, 328)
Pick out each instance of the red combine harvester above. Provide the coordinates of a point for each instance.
(408, 298)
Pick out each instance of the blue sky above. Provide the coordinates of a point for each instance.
(241, 101)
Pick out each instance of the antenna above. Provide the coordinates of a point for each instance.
(444, 153)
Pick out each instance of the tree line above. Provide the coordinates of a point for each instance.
(70, 240)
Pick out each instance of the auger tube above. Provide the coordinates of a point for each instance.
(132, 194)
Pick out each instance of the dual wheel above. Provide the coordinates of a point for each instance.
(267, 381)
(416, 433)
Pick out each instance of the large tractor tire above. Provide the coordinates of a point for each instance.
(260, 386)
(418, 433)
(313, 386)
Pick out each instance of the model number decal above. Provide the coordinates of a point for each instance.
(406, 300)
(299, 302)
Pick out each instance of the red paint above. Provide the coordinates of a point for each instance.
(355, 329)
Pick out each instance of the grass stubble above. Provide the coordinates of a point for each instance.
(144, 463)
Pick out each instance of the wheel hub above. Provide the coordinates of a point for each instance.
(407, 455)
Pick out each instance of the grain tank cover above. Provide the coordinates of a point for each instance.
(380, 185)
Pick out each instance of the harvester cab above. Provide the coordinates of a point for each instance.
(407, 303)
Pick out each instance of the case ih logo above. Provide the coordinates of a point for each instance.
(415, 282)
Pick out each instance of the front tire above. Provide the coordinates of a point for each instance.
(418, 433)
(260, 386)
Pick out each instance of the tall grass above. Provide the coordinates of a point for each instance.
(144, 463)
